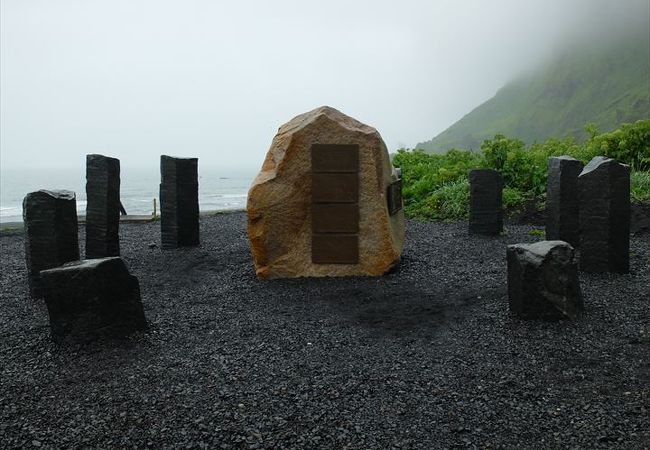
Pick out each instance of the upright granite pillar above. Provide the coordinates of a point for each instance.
(51, 229)
(103, 207)
(543, 281)
(179, 201)
(562, 219)
(93, 298)
(604, 193)
(485, 212)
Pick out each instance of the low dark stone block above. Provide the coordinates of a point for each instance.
(604, 193)
(562, 218)
(93, 298)
(543, 281)
(485, 211)
(103, 207)
(179, 201)
(51, 229)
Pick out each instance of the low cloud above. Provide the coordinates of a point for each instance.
(214, 80)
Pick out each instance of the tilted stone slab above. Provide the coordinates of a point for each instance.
(179, 201)
(92, 298)
(604, 193)
(562, 217)
(320, 204)
(485, 209)
(103, 206)
(51, 233)
(543, 281)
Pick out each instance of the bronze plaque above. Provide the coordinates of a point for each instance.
(334, 188)
(394, 197)
(334, 158)
(335, 248)
(335, 207)
(334, 218)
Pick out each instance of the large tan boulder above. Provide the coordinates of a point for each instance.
(280, 201)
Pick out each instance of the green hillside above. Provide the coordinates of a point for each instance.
(606, 84)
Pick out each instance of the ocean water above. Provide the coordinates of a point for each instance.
(219, 190)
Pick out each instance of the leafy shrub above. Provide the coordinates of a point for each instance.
(513, 197)
(497, 151)
(629, 144)
(447, 202)
(437, 187)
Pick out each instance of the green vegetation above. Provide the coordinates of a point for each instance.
(10, 230)
(606, 84)
(640, 188)
(436, 186)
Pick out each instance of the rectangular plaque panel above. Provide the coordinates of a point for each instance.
(335, 208)
(335, 188)
(334, 218)
(335, 248)
(334, 158)
(394, 197)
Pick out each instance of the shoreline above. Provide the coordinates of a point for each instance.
(129, 218)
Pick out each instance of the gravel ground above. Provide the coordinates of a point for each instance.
(425, 357)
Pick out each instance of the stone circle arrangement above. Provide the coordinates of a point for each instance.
(326, 203)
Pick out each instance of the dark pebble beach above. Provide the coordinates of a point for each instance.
(426, 357)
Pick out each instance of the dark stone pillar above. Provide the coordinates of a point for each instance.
(604, 192)
(51, 229)
(562, 200)
(543, 281)
(103, 207)
(485, 212)
(179, 201)
(93, 298)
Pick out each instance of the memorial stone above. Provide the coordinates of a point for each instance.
(50, 219)
(103, 206)
(485, 211)
(562, 218)
(543, 281)
(179, 201)
(327, 201)
(604, 193)
(92, 298)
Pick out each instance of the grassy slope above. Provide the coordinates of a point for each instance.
(607, 85)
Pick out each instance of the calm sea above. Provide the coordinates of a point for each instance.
(219, 190)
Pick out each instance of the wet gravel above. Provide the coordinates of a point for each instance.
(425, 357)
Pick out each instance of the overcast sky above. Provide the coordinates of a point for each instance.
(214, 79)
